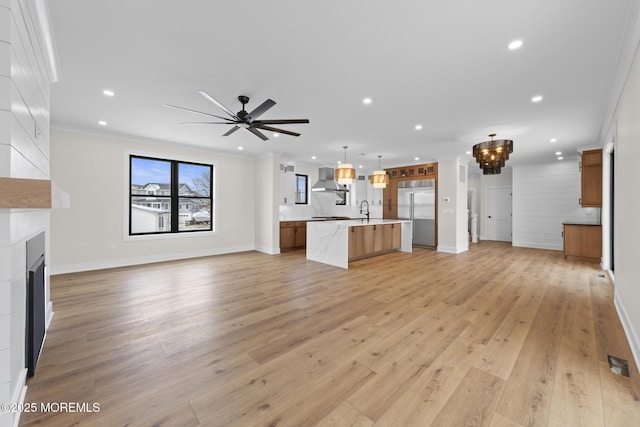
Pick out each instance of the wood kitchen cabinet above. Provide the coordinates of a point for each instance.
(403, 173)
(591, 179)
(396, 236)
(360, 241)
(293, 235)
(371, 240)
(301, 234)
(582, 240)
(390, 200)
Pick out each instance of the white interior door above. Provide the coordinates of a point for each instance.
(499, 219)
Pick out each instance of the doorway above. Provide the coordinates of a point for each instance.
(499, 214)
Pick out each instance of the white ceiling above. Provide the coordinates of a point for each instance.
(442, 64)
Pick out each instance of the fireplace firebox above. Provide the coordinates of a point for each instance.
(35, 304)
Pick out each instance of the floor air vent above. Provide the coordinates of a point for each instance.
(619, 366)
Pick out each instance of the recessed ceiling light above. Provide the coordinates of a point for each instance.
(416, 158)
(536, 98)
(108, 92)
(313, 157)
(359, 166)
(558, 153)
(102, 123)
(553, 140)
(516, 44)
(418, 127)
(560, 158)
(240, 148)
(366, 101)
(468, 152)
(276, 134)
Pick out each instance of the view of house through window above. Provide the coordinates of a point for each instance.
(169, 196)
(302, 182)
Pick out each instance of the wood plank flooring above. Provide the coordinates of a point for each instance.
(497, 336)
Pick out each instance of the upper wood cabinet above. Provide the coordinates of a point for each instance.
(591, 179)
(403, 173)
(428, 170)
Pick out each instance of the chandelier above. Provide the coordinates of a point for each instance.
(492, 155)
(345, 174)
(379, 179)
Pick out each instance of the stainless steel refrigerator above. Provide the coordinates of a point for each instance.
(417, 203)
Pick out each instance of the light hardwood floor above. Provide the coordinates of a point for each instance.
(496, 336)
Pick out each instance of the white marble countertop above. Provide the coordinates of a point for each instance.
(328, 241)
(372, 221)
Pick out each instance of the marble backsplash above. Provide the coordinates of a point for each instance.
(324, 204)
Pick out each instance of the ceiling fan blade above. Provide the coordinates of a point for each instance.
(272, 129)
(283, 121)
(219, 104)
(206, 123)
(197, 112)
(232, 130)
(257, 133)
(260, 109)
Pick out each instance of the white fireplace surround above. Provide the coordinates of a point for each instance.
(27, 68)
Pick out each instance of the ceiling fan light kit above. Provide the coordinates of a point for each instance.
(244, 119)
(492, 155)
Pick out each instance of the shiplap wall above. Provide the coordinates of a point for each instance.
(24, 153)
(545, 196)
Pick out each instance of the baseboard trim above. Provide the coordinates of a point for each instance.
(267, 250)
(630, 332)
(126, 262)
(452, 249)
(536, 246)
(19, 395)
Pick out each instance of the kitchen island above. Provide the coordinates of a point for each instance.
(338, 242)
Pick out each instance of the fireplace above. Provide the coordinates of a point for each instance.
(35, 308)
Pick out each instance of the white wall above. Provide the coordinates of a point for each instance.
(92, 233)
(453, 234)
(266, 210)
(626, 126)
(545, 196)
(24, 153)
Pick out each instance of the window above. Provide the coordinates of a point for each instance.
(302, 182)
(169, 196)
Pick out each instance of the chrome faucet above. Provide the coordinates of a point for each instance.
(362, 210)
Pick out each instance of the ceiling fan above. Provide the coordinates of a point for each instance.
(242, 119)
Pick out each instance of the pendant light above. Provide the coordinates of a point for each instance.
(379, 179)
(345, 174)
(492, 155)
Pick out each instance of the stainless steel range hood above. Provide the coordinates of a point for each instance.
(327, 182)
